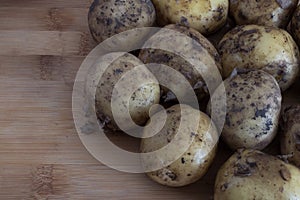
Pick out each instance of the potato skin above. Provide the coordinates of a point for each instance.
(276, 13)
(256, 47)
(250, 174)
(109, 17)
(207, 55)
(295, 25)
(253, 103)
(140, 101)
(206, 16)
(194, 163)
(290, 137)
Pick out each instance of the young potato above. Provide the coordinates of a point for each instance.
(290, 140)
(253, 103)
(275, 13)
(109, 17)
(139, 101)
(206, 16)
(295, 25)
(250, 174)
(194, 163)
(256, 47)
(204, 52)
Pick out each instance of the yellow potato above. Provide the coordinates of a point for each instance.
(206, 16)
(250, 174)
(270, 49)
(194, 163)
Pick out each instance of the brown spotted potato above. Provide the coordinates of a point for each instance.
(206, 16)
(250, 174)
(188, 42)
(194, 163)
(109, 17)
(253, 103)
(275, 13)
(290, 138)
(257, 47)
(130, 68)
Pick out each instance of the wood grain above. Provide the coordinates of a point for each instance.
(42, 45)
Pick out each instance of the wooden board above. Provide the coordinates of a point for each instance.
(42, 44)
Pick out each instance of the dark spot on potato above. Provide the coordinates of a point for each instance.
(118, 71)
(184, 21)
(171, 175)
(251, 162)
(268, 124)
(189, 175)
(182, 160)
(262, 113)
(285, 174)
(242, 170)
(224, 187)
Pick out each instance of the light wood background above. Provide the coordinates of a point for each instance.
(42, 44)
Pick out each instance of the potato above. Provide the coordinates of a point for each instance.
(138, 102)
(274, 13)
(253, 103)
(205, 52)
(295, 25)
(250, 174)
(206, 16)
(256, 47)
(290, 138)
(109, 17)
(194, 163)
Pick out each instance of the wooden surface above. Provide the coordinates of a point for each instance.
(42, 44)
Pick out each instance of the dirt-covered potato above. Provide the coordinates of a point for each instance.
(109, 17)
(206, 16)
(250, 174)
(290, 138)
(126, 98)
(253, 103)
(275, 13)
(187, 41)
(256, 47)
(194, 163)
(295, 25)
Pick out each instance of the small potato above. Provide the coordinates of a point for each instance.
(295, 25)
(206, 16)
(290, 140)
(275, 13)
(126, 67)
(253, 103)
(194, 163)
(250, 174)
(196, 46)
(256, 47)
(109, 17)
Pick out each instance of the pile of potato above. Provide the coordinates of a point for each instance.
(253, 44)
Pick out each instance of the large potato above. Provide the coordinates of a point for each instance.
(290, 140)
(109, 17)
(206, 16)
(187, 41)
(194, 163)
(140, 100)
(275, 13)
(250, 174)
(256, 47)
(253, 103)
(295, 25)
